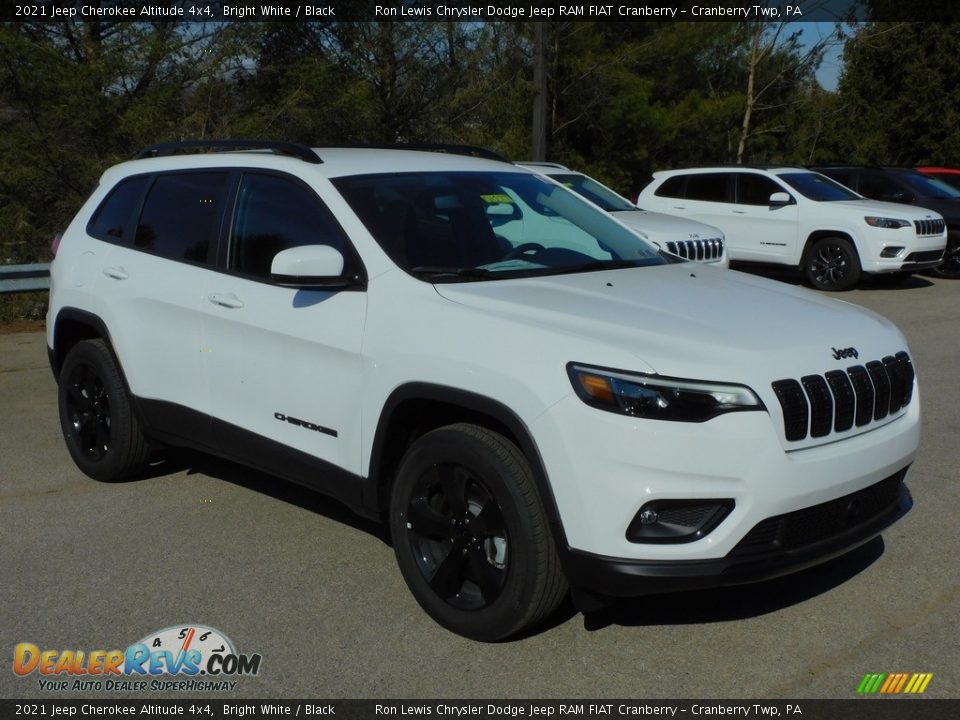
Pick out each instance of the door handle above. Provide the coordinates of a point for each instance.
(117, 273)
(679, 207)
(739, 212)
(227, 300)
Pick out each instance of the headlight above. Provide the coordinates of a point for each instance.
(890, 223)
(657, 397)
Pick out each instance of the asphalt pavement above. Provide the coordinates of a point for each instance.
(315, 590)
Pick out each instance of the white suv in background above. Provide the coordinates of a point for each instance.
(686, 238)
(792, 216)
(529, 403)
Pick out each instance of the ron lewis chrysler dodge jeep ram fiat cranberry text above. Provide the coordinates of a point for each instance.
(531, 401)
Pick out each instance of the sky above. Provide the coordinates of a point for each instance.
(829, 72)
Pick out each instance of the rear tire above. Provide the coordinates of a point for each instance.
(99, 427)
(471, 536)
(832, 264)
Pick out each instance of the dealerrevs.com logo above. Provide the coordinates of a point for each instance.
(198, 658)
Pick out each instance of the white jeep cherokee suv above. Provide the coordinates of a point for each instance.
(526, 413)
(686, 238)
(792, 216)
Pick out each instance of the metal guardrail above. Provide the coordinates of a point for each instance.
(24, 278)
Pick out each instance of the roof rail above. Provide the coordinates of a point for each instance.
(280, 148)
(538, 163)
(452, 149)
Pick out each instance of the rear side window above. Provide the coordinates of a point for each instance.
(182, 214)
(711, 187)
(672, 187)
(756, 189)
(113, 220)
(276, 213)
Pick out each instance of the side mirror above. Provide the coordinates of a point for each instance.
(779, 199)
(310, 266)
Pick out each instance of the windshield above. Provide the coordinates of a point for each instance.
(458, 226)
(593, 191)
(818, 187)
(928, 187)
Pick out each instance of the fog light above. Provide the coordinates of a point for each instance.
(892, 251)
(677, 521)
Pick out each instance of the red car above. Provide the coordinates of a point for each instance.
(951, 176)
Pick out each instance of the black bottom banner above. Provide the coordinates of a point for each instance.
(854, 709)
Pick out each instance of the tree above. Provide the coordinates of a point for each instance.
(777, 66)
(900, 94)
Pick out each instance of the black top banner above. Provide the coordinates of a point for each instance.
(477, 10)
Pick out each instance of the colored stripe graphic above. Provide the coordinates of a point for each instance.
(894, 683)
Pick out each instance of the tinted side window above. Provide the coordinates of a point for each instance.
(708, 186)
(844, 178)
(182, 214)
(672, 187)
(881, 187)
(113, 219)
(273, 214)
(756, 189)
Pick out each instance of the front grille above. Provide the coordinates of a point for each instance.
(929, 227)
(820, 404)
(821, 522)
(698, 250)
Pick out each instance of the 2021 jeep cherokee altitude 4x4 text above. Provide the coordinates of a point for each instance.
(529, 403)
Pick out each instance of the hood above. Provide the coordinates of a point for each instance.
(887, 209)
(948, 207)
(687, 320)
(660, 226)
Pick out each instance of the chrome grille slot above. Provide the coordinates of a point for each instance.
(929, 227)
(697, 250)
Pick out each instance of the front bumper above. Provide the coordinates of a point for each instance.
(919, 253)
(619, 577)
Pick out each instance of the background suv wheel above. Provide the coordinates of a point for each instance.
(470, 534)
(950, 267)
(832, 264)
(102, 434)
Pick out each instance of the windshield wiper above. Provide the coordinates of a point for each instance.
(436, 272)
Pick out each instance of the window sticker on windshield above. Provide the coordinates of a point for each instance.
(497, 198)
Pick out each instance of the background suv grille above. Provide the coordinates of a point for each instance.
(820, 404)
(702, 250)
(929, 227)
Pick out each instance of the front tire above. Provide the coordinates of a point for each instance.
(832, 264)
(99, 427)
(471, 536)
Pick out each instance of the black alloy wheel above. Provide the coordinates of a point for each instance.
(832, 264)
(471, 535)
(99, 426)
(88, 411)
(456, 532)
(950, 267)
